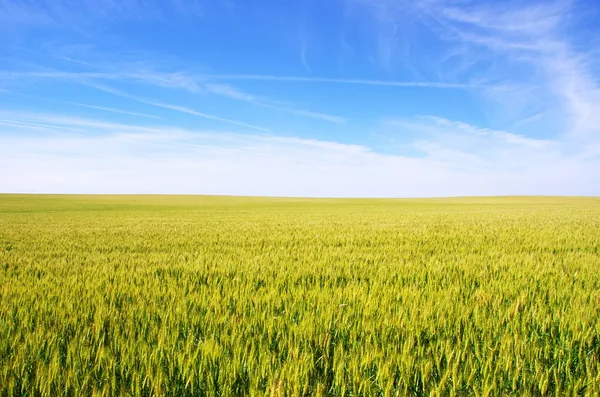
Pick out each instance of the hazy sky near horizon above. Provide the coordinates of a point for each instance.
(362, 98)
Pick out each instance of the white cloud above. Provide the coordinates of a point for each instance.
(121, 158)
(479, 150)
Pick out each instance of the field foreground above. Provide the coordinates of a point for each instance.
(193, 295)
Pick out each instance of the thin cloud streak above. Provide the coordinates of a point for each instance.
(306, 113)
(204, 77)
(173, 80)
(424, 84)
(193, 112)
(303, 51)
(113, 110)
(233, 93)
(177, 108)
(303, 58)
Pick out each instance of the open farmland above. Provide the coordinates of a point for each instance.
(185, 295)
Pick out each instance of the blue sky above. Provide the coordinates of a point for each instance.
(360, 98)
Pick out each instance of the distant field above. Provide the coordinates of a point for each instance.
(193, 295)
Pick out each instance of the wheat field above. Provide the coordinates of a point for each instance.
(224, 296)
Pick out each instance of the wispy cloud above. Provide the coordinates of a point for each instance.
(165, 80)
(306, 113)
(193, 112)
(83, 125)
(177, 108)
(18, 12)
(171, 80)
(234, 93)
(533, 34)
(536, 35)
(74, 15)
(480, 149)
(531, 118)
(304, 48)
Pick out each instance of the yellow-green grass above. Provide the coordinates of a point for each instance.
(193, 295)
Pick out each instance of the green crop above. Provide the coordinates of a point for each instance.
(221, 296)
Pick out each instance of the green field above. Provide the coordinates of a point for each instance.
(193, 295)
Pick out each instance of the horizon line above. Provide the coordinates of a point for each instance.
(300, 197)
